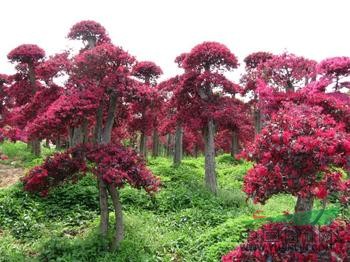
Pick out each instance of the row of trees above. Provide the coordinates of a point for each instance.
(296, 114)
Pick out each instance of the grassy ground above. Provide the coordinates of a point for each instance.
(184, 222)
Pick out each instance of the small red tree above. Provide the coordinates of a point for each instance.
(297, 153)
(114, 164)
(335, 69)
(249, 81)
(25, 83)
(148, 105)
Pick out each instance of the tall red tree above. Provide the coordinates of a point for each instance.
(201, 91)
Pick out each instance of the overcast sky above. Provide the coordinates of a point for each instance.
(159, 30)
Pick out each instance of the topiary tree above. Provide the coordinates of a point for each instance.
(25, 84)
(113, 164)
(202, 88)
(298, 152)
(148, 105)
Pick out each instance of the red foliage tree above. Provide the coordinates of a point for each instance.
(249, 81)
(114, 164)
(201, 91)
(25, 84)
(147, 107)
(335, 69)
(296, 153)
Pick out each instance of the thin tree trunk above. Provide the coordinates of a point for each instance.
(155, 146)
(257, 121)
(35, 147)
(119, 226)
(178, 144)
(303, 209)
(143, 144)
(210, 175)
(107, 132)
(234, 144)
(104, 215)
(196, 150)
(168, 146)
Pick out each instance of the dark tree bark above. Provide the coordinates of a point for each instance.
(155, 147)
(143, 144)
(168, 146)
(104, 215)
(119, 226)
(210, 175)
(257, 121)
(178, 145)
(35, 147)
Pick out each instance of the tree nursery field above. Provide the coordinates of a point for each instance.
(101, 159)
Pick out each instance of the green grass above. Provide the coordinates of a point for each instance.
(183, 222)
(20, 156)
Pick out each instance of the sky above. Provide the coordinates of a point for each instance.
(159, 30)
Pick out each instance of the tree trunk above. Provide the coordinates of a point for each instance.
(104, 216)
(103, 136)
(155, 147)
(196, 151)
(168, 145)
(143, 145)
(77, 136)
(35, 147)
(107, 132)
(234, 144)
(178, 145)
(257, 121)
(303, 209)
(119, 226)
(210, 175)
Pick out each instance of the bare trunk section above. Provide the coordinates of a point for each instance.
(107, 132)
(178, 144)
(168, 145)
(303, 209)
(196, 151)
(35, 147)
(155, 146)
(104, 216)
(257, 121)
(77, 136)
(143, 144)
(234, 144)
(210, 175)
(34, 143)
(119, 226)
(98, 127)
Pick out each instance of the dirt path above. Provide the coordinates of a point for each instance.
(9, 175)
